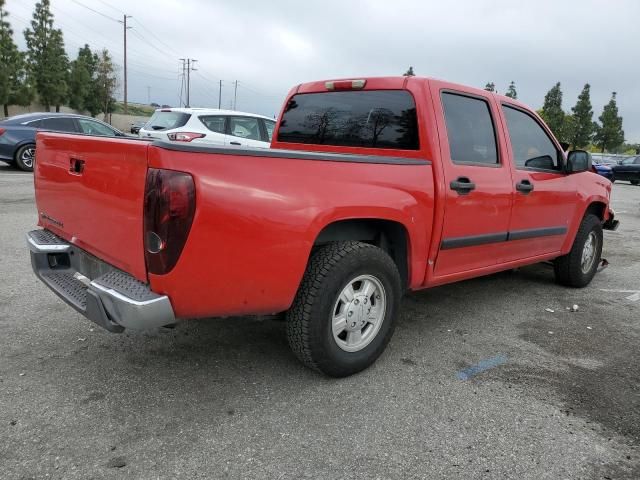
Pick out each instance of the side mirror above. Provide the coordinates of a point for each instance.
(578, 161)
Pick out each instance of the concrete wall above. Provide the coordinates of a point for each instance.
(120, 121)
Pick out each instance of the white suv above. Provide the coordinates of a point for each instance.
(209, 127)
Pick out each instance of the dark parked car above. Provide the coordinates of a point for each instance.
(18, 134)
(136, 126)
(628, 169)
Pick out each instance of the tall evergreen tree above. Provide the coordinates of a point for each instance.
(47, 57)
(582, 115)
(81, 79)
(14, 87)
(490, 87)
(609, 134)
(552, 112)
(105, 82)
(511, 91)
(409, 73)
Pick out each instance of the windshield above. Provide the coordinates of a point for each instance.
(167, 120)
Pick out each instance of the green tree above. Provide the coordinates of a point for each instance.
(490, 87)
(14, 86)
(47, 57)
(511, 91)
(81, 80)
(105, 82)
(582, 114)
(409, 73)
(552, 112)
(609, 133)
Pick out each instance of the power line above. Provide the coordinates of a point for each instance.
(140, 24)
(96, 11)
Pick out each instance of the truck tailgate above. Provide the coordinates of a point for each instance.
(90, 191)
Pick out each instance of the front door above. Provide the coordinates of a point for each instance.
(544, 199)
(478, 184)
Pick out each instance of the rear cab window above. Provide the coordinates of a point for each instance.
(167, 120)
(368, 119)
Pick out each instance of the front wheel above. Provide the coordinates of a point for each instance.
(578, 267)
(25, 157)
(343, 315)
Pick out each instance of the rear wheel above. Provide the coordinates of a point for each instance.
(343, 315)
(634, 182)
(26, 157)
(578, 267)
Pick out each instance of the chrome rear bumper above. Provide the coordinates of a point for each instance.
(105, 295)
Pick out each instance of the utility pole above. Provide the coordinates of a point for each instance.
(124, 24)
(188, 67)
(235, 93)
(220, 96)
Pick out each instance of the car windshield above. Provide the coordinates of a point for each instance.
(167, 120)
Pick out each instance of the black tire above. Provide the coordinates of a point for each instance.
(634, 182)
(309, 320)
(568, 268)
(22, 155)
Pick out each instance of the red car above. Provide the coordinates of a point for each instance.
(372, 187)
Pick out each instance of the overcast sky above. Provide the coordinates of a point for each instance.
(270, 46)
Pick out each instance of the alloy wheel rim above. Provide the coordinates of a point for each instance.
(589, 252)
(358, 313)
(28, 156)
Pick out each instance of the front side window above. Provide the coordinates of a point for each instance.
(94, 128)
(245, 127)
(472, 138)
(215, 123)
(531, 146)
(373, 119)
(59, 124)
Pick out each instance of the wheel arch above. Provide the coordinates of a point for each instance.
(391, 236)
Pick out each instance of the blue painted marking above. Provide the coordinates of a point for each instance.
(481, 366)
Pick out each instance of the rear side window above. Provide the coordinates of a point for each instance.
(167, 120)
(245, 127)
(59, 124)
(215, 123)
(532, 147)
(270, 126)
(472, 138)
(374, 119)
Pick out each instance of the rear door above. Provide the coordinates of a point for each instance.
(478, 181)
(545, 198)
(244, 131)
(629, 169)
(90, 191)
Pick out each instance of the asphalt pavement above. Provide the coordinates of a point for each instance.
(480, 381)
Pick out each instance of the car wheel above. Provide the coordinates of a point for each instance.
(343, 315)
(26, 157)
(578, 267)
(634, 182)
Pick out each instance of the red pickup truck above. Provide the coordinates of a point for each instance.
(372, 187)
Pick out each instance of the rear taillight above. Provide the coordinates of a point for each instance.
(169, 206)
(2, 130)
(184, 136)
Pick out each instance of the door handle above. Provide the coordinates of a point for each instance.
(235, 143)
(462, 185)
(524, 187)
(76, 166)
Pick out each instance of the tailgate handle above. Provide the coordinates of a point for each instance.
(76, 166)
